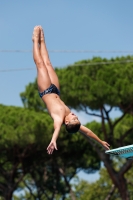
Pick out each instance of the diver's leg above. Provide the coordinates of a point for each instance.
(43, 79)
(44, 53)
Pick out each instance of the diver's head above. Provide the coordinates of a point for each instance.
(72, 123)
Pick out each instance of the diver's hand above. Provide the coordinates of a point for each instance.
(51, 147)
(105, 145)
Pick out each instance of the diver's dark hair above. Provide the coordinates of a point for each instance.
(72, 128)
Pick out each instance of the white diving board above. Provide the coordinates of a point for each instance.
(124, 152)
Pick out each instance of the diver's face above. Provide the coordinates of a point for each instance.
(71, 118)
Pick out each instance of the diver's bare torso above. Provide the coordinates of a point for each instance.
(55, 106)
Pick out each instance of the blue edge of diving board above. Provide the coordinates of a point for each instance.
(124, 152)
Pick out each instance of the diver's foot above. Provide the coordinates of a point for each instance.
(42, 39)
(36, 34)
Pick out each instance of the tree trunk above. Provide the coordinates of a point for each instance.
(119, 182)
(122, 187)
(117, 177)
(72, 195)
(8, 195)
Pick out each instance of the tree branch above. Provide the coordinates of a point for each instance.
(30, 190)
(108, 164)
(119, 119)
(108, 118)
(88, 113)
(125, 167)
(126, 134)
(2, 171)
(109, 109)
(103, 125)
(129, 107)
(2, 187)
(110, 192)
(67, 183)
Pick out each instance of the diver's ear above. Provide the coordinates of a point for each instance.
(66, 122)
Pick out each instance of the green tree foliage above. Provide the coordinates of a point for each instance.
(98, 190)
(30, 98)
(22, 135)
(24, 162)
(92, 85)
(102, 188)
(97, 86)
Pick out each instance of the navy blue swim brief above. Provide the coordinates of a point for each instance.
(51, 89)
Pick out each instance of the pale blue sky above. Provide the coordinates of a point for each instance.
(69, 25)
